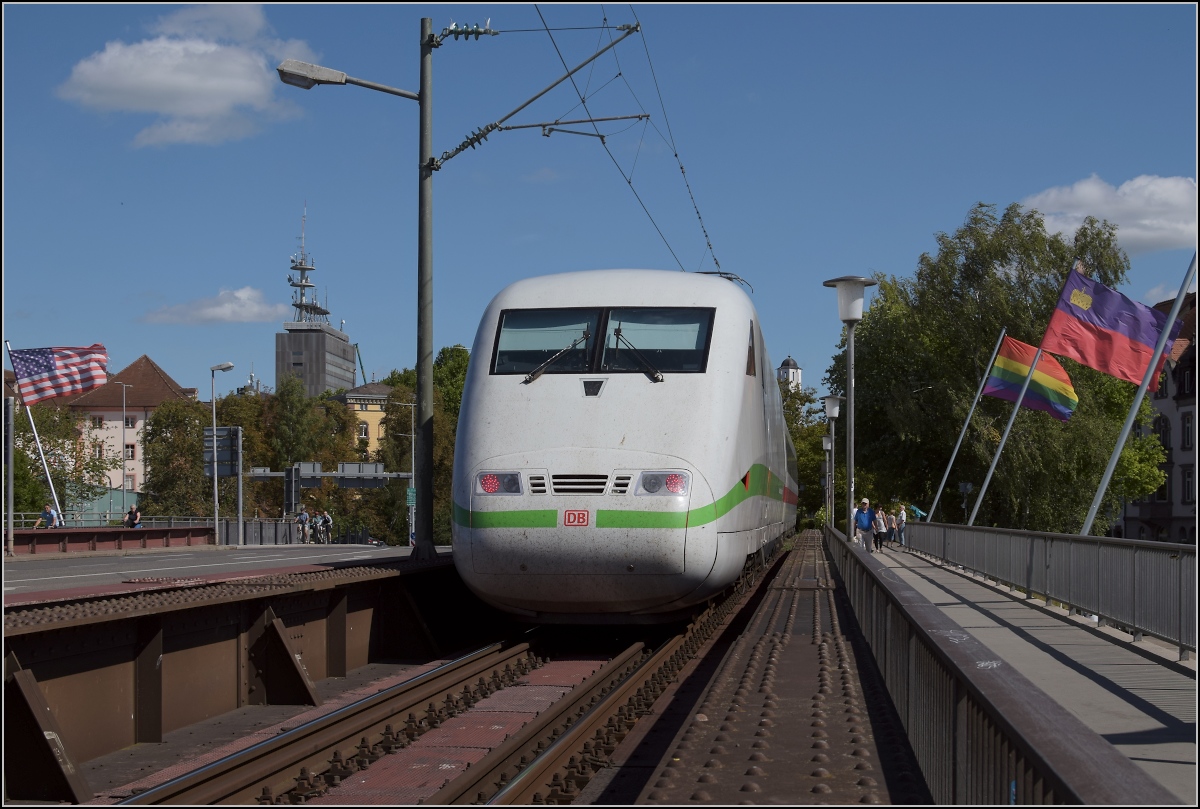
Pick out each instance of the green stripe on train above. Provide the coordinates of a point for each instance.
(758, 482)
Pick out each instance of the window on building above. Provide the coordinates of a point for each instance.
(1187, 383)
(1161, 393)
(362, 407)
(130, 422)
(130, 483)
(131, 451)
(1189, 485)
(1163, 495)
(1162, 426)
(98, 451)
(98, 422)
(363, 430)
(1185, 427)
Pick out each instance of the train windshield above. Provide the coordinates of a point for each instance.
(530, 337)
(672, 340)
(650, 339)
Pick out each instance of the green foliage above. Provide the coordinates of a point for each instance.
(805, 419)
(67, 440)
(173, 447)
(923, 347)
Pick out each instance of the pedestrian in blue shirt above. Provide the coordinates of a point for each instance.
(864, 524)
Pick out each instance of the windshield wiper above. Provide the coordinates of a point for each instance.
(652, 372)
(538, 371)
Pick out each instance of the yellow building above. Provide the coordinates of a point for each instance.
(368, 403)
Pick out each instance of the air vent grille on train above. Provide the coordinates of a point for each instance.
(537, 484)
(579, 484)
(621, 484)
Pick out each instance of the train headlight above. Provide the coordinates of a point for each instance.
(663, 483)
(498, 483)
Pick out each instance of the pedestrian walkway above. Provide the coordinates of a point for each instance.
(1135, 695)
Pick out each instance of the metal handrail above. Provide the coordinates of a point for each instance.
(981, 731)
(1142, 586)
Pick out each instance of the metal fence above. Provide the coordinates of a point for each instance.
(982, 733)
(255, 532)
(1143, 587)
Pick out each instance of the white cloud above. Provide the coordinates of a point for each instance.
(245, 305)
(1151, 213)
(208, 75)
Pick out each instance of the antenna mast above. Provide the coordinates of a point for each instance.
(308, 309)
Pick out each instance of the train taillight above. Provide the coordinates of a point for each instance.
(499, 483)
(663, 483)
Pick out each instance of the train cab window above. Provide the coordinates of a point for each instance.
(529, 337)
(751, 365)
(672, 340)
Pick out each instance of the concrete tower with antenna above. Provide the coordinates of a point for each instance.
(309, 347)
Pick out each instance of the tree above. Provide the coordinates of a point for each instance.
(173, 445)
(78, 472)
(922, 348)
(804, 417)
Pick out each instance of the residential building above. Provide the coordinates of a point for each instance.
(368, 403)
(1169, 514)
(119, 422)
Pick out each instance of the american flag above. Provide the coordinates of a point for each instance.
(43, 373)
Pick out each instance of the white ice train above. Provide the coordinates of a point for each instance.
(621, 450)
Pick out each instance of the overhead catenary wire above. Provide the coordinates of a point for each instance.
(628, 180)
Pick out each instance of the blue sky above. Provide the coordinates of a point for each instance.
(156, 169)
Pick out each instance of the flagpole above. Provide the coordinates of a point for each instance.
(963, 432)
(1020, 398)
(996, 458)
(36, 438)
(1151, 370)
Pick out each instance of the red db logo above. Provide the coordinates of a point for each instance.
(575, 519)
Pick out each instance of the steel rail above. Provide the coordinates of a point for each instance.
(543, 777)
(492, 772)
(297, 758)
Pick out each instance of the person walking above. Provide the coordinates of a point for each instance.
(891, 532)
(880, 527)
(863, 519)
(901, 519)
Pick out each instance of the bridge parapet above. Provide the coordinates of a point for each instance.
(1145, 587)
(981, 731)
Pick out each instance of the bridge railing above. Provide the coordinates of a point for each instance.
(981, 731)
(1143, 587)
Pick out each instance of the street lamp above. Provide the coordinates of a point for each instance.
(225, 366)
(850, 289)
(827, 445)
(833, 405)
(307, 76)
(123, 456)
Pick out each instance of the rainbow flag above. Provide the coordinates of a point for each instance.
(1049, 390)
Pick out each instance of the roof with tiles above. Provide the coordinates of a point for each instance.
(1187, 333)
(149, 386)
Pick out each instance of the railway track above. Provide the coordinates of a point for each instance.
(549, 758)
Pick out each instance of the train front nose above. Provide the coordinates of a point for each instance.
(604, 536)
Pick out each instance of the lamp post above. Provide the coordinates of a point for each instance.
(850, 289)
(225, 366)
(123, 457)
(307, 76)
(827, 445)
(833, 405)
